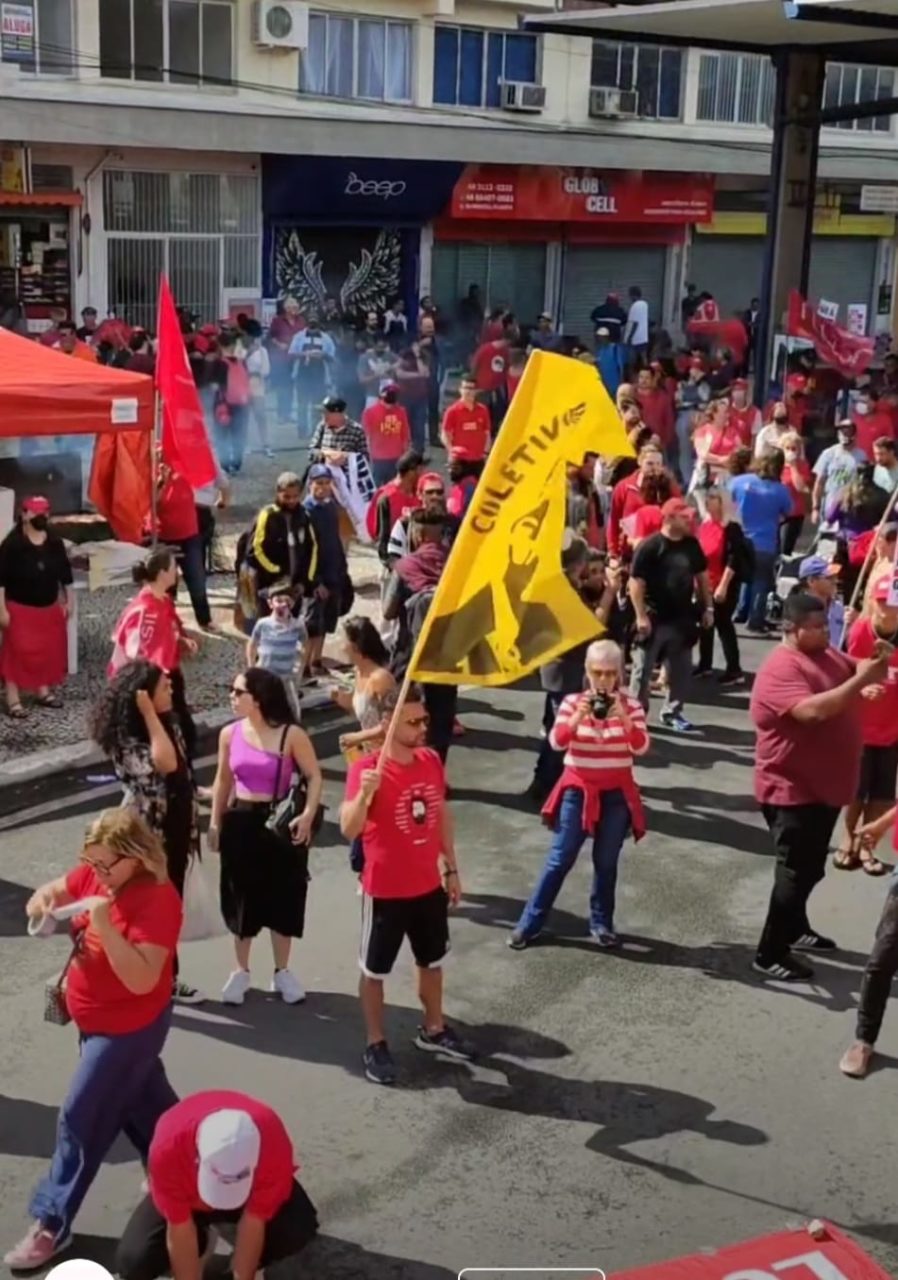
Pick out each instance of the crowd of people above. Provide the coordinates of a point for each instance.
(692, 536)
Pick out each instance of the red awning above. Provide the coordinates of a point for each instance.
(41, 199)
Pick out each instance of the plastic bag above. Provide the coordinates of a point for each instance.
(202, 913)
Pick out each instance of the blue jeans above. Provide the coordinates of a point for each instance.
(119, 1086)
(761, 585)
(607, 843)
(193, 571)
(383, 470)
(686, 448)
(230, 440)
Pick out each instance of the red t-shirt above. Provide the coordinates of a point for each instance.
(172, 1164)
(879, 715)
(800, 497)
(799, 763)
(177, 511)
(747, 422)
(871, 427)
(646, 521)
(658, 413)
(403, 835)
(468, 429)
(387, 429)
(512, 378)
(712, 537)
(489, 364)
(144, 911)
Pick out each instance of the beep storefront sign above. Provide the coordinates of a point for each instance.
(581, 195)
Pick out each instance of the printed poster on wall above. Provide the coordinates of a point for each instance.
(16, 32)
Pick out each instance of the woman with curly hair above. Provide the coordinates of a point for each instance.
(135, 726)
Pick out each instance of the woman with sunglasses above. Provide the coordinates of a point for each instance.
(263, 878)
(135, 726)
(600, 732)
(117, 991)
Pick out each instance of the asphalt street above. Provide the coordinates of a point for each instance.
(626, 1108)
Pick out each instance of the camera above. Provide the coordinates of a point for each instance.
(601, 705)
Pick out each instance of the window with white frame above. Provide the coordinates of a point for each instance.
(735, 88)
(655, 73)
(354, 57)
(847, 84)
(470, 64)
(178, 41)
(40, 37)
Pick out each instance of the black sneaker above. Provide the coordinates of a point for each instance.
(446, 1041)
(787, 971)
(379, 1065)
(181, 993)
(702, 673)
(814, 942)
(731, 679)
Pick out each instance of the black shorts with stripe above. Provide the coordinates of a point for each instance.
(387, 922)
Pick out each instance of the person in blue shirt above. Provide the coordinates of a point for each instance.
(818, 577)
(610, 360)
(762, 501)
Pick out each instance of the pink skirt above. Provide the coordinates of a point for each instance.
(34, 647)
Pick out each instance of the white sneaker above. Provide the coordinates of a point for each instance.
(235, 989)
(286, 985)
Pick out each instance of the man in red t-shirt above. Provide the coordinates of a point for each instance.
(627, 498)
(744, 416)
(389, 435)
(396, 803)
(806, 708)
(873, 420)
(489, 366)
(217, 1157)
(466, 427)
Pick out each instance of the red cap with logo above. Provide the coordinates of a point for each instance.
(36, 505)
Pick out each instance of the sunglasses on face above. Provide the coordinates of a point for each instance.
(416, 722)
(433, 493)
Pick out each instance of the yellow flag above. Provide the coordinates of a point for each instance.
(503, 607)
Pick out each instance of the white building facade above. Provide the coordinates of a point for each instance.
(254, 147)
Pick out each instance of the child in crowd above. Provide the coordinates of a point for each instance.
(277, 642)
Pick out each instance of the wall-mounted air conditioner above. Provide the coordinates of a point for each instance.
(518, 96)
(280, 24)
(614, 104)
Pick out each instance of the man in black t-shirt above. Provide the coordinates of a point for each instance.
(671, 597)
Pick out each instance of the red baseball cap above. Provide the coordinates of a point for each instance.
(36, 505)
(740, 383)
(430, 480)
(675, 507)
(883, 590)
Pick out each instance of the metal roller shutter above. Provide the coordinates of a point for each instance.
(511, 275)
(842, 270)
(729, 267)
(593, 271)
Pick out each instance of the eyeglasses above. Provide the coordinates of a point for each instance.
(417, 722)
(103, 868)
(237, 692)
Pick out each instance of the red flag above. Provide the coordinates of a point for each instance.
(845, 351)
(185, 444)
(120, 481)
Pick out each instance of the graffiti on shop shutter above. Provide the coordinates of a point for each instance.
(360, 270)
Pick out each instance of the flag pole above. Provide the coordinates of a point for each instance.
(394, 722)
(154, 496)
(865, 567)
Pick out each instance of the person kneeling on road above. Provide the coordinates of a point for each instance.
(217, 1157)
(398, 806)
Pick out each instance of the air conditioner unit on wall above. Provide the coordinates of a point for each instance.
(280, 24)
(518, 96)
(614, 104)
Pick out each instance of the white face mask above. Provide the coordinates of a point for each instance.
(791, 454)
(862, 408)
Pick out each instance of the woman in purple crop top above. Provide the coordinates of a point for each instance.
(263, 879)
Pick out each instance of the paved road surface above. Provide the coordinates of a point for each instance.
(627, 1108)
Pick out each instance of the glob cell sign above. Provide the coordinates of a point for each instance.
(549, 194)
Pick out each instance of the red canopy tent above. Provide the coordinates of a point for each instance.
(47, 393)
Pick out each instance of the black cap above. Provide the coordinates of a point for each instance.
(334, 404)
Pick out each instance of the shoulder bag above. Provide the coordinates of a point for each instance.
(55, 1008)
(283, 811)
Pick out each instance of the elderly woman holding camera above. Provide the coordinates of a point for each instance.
(600, 731)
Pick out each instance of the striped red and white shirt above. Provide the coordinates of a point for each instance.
(601, 751)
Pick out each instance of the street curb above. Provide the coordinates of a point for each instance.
(40, 766)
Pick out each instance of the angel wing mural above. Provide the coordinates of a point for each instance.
(361, 270)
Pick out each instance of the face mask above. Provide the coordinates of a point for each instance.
(791, 454)
(390, 397)
(862, 408)
(40, 523)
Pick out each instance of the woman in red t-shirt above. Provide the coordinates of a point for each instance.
(728, 554)
(117, 991)
(798, 480)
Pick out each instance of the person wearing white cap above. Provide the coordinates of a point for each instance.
(217, 1157)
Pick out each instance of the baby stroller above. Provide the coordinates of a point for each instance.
(825, 545)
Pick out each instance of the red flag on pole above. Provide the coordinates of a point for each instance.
(185, 444)
(845, 351)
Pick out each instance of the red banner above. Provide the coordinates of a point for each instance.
(845, 351)
(185, 444)
(581, 195)
(788, 1255)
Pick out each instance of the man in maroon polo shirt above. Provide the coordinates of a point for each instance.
(806, 708)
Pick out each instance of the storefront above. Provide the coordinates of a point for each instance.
(562, 238)
(348, 229)
(727, 258)
(36, 233)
